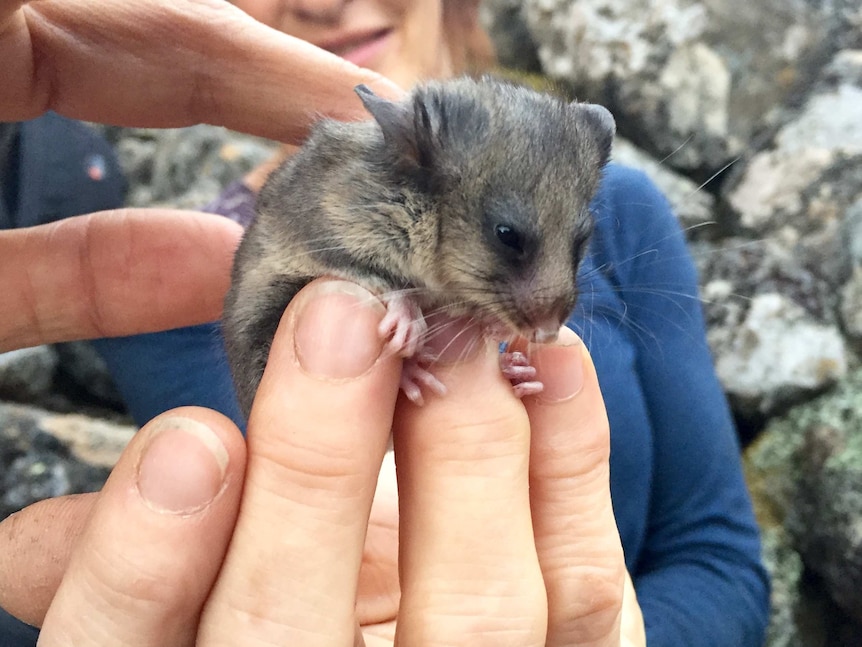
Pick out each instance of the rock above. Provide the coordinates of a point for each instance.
(785, 572)
(802, 195)
(97, 443)
(187, 167)
(773, 187)
(772, 308)
(87, 373)
(45, 455)
(62, 378)
(803, 614)
(806, 473)
(812, 174)
(694, 80)
(691, 203)
(826, 517)
(852, 225)
(27, 374)
(851, 307)
(772, 326)
(757, 370)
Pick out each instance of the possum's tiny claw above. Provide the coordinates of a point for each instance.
(430, 381)
(406, 325)
(412, 391)
(527, 388)
(515, 358)
(517, 369)
(414, 377)
(518, 374)
(389, 326)
(424, 356)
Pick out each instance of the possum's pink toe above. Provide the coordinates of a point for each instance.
(527, 388)
(415, 378)
(404, 324)
(517, 369)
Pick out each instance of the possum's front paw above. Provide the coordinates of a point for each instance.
(414, 376)
(405, 327)
(518, 370)
(403, 324)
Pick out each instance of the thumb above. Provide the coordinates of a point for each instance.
(116, 537)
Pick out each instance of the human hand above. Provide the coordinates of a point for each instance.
(113, 273)
(485, 559)
(166, 63)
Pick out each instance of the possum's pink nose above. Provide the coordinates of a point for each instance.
(546, 334)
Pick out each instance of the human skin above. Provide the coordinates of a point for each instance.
(212, 64)
(404, 40)
(506, 522)
(213, 546)
(177, 261)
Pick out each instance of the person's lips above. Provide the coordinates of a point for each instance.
(360, 48)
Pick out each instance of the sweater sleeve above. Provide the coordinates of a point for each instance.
(699, 576)
(155, 372)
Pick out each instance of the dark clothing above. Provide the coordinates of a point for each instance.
(14, 633)
(682, 507)
(54, 168)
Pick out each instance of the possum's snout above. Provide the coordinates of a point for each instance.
(546, 334)
(541, 318)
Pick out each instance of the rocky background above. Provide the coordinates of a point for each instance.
(749, 116)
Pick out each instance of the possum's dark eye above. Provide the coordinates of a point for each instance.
(510, 237)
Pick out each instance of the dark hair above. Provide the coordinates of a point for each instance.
(469, 44)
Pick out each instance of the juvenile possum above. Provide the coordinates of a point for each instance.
(470, 197)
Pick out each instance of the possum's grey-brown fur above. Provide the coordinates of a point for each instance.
(471, 196)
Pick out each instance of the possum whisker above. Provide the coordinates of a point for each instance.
(715, 175)
(467, 329)
(699, 225)
(676, 150)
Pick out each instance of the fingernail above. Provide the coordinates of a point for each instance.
(559, 367)
(183, 466)
(336, 329)
(452, 340)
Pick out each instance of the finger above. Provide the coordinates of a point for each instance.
(632, 629)
(156, 539)
(317, 433)
(165, 63)
(35, 548)
(379, 635)
(576, 534)
(470, 573)
(113, 273)
(379, 592)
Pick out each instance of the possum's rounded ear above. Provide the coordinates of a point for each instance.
(602, 124)
(396, 121)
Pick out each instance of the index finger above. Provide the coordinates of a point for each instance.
(168, 63)
(113, 273)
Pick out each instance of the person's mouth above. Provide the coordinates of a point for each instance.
(360, 48)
